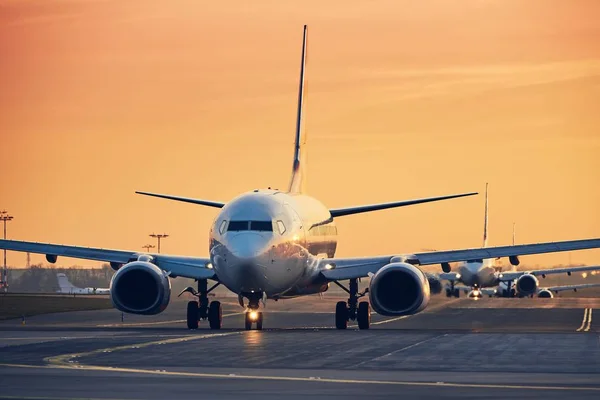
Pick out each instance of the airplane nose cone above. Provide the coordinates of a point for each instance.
(247, 245)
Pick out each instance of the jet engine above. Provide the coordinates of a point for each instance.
(545, 294)
(399, 289)
(527, 285)
(140, 287)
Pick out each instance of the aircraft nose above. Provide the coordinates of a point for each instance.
(248, 245)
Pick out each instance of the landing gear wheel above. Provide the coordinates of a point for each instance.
(215, 315)
(192, 315)
(247, 321)
(456, 293)
(341, 315)
(259, 321)
(364, 315)
(448, 293)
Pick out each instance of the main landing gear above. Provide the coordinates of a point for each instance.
(252, 315)
(202, 309)
(352, 309)
(451, 291)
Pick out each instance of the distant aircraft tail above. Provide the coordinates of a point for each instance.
(298, 180)
(485, 222)
(64, 284)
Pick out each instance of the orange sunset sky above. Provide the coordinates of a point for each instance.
(404, 99)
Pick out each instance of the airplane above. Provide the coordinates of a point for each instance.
(541, 292)
(480, 274)
(67, 287)
(272, 244)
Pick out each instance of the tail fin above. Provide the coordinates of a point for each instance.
(64, 284)
(298, 181)
(485, 223)
(513, 242)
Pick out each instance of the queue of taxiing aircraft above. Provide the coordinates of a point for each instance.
(269, 244)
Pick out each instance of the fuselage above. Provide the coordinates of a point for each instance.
(270, 242)
(478, 273)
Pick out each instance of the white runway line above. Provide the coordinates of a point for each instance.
(589, 323)
(587, 316)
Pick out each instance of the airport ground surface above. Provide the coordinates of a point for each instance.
(489, 348)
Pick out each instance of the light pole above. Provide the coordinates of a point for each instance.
(148, 247)
(158, 237)
(4, 217)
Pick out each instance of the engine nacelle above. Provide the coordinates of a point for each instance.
(399, 289)
(140, 287)
(527, 284)
(545, 294)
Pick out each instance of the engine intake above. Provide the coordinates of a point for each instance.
(545, 294)
(527, 284)
(399, 289)
(140, 287)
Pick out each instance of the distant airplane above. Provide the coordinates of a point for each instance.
(272, 244)
(542, 292)
(481, 275)
(67, 287)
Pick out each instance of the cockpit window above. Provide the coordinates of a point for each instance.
(281, 227)
(263, 226)
(222, 227)
(238, 226)
(260, 226)
(480, 261)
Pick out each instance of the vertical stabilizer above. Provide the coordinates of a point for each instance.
(298, 181)
(64, 284)
(485, 222)
(513, 242)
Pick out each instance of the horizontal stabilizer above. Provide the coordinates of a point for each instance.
(185, 199)
(339, 212)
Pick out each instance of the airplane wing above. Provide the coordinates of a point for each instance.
(188, 267)
(349, 268)
(512, 275)
(339, 212)
(438, 257)
(557, 289)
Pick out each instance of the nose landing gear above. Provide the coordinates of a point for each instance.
(352, 310)
(203, 309)
(252, 315)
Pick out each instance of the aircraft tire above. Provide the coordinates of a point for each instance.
(247, 321)
(192, 315)
(341, 315)
(215, 315)
(363, 316)
(259, 322)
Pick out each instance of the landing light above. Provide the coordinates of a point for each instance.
(253, 315)
(209, 265)
(329, 266)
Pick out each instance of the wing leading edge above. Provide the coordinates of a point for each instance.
(188, 267)
(349, 268)
(340, 212)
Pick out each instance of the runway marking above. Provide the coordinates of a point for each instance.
(307, 379)
(589, 323)
(586, 324)
(66, 359)
(175, 321)
(397, 351)
(59, 398)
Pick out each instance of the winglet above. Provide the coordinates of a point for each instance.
(297, 183)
